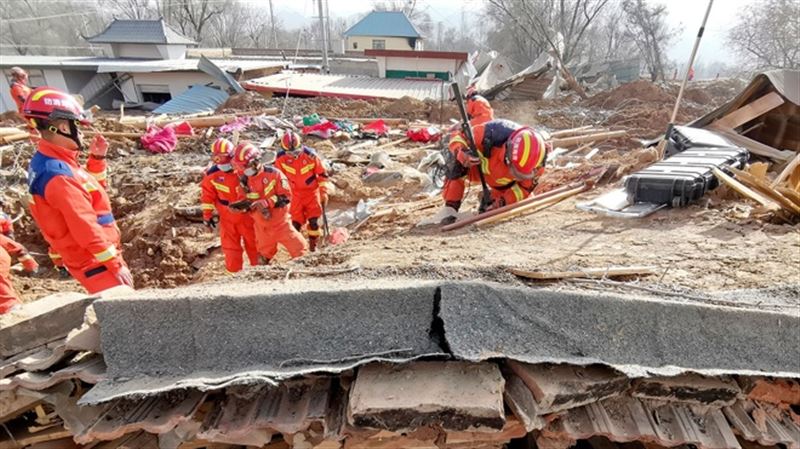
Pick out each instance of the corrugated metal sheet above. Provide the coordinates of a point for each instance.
(384, 23)
(197, 98)
(355, 87)
(140, 32)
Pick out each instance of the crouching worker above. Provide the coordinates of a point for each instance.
(69, 201)
(8, 248)
(510, 156)
(268, 198)
(220, 188)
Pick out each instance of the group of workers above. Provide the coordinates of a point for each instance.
(258, 199)
(263, 199)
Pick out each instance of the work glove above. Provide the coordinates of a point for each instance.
(124, 275)
(29, 264)
(211, 223)
(98, 149)
(263, 207)
(467, 159)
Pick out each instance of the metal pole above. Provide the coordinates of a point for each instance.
(325, 66)
(691, 63)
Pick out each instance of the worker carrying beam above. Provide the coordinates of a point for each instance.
(268, 198)
(19, 87)
(308, 179)
(220, 188)
(510, 156)
(69, 202)
(8, 248)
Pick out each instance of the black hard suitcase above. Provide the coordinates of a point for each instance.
(683, 178)
(682, 138)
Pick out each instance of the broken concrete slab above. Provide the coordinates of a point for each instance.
(41, 322)
(561, 387)
(206, 338)
(453, 395)
(638, 336)
(87, 336)
(688, 387)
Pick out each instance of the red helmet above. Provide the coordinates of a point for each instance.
(244, 154)
(48, 103)
(525, 153)
(221, 151)
(290, 141)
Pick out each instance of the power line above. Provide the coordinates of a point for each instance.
(55, 16)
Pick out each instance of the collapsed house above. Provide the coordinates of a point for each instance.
(406, 364)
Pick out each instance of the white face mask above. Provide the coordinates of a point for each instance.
(250, 171)
(225, 167)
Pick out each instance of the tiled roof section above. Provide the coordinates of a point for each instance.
(139, 32)
(384, 23)
(90, 369)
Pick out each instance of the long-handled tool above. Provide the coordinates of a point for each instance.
(338, 236)
(486, 196)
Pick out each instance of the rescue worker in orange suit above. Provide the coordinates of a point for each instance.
(479, 110)
(19, 87)
(69, 202)
(220, 188)
(6, 224)
(8, 248)
(511, 157)
(309, 182)
(268, 198)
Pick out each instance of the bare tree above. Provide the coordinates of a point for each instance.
(647, 26)
(767, 34)
(131, 9)
(418, 15)
(26, 28)
(192, 16)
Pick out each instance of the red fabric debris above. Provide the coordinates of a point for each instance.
(323, 130)
(424, 135)
(378, 127)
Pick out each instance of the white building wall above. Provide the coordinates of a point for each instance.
(148, 51)
(54, 78)
(6, 102)
(365, 43)
(415, 64)
(172, 51)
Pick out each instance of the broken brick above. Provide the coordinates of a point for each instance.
(688, 387)
(772, 390)
(561, 387)
(453, 395)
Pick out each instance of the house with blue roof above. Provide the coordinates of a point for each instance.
(383, 30)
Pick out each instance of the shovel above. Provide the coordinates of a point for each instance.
(339, 235)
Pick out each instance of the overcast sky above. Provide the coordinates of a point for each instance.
(685, 13)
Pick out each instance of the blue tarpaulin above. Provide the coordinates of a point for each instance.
(197, 98)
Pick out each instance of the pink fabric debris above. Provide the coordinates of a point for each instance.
(159, 140)
(240, 124)
(322, 130)
(424, 135)
(377, 127)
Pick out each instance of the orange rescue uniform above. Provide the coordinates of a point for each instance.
(479, 110)
(19, 92)
(220, 189)
(72, 209)
(271, 188)
(505, 189)
(309, 183)
(8, 248)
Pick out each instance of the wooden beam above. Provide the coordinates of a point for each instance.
(750, 111)
(534, 206)
(571, 131)
(585, 273)
(753, 146)
(787, 171)
(745, 191)
(25, 439)
(597, 137)
(766, 190)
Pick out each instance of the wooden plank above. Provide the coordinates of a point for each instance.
(585, 273)
(25, 439)
(533, 207)
(787, 171)
(750, 111)
(571, 131)
(766, 190)
(596, 137)
(790, 194)
(745, 191)
(753, 146)
(758, 169)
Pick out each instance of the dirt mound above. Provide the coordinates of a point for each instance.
(643, 91)
(247, 101)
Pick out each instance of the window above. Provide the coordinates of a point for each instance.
(355, 45)
(156, 93)
(35, 77)
(378, 44)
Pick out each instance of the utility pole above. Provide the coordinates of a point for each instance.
(325, 66)
(273, 37)
(328, 26)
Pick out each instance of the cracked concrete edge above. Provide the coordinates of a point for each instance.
(148, 385)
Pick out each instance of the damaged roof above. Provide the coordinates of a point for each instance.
(139, 32)
(344, 86)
